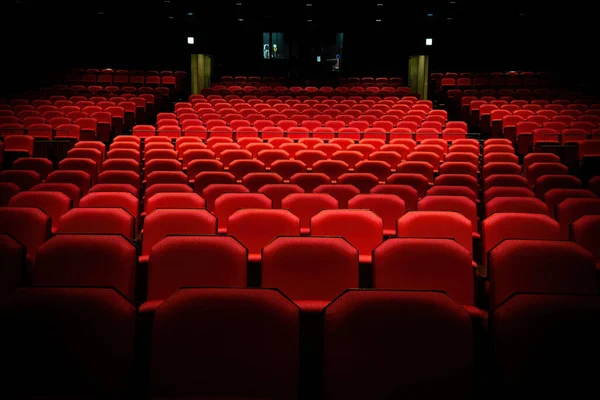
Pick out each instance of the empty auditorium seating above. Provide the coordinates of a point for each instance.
(312, 271)
(186, 261)
(437, 224)
(542, 338)
(94, 260)
(515, 205)
(73, 342)
(501, 226)
(30, 226)
(307, 205)
(536, 266)
(363, 229)
(164, 222)
(554, 197)
(193, 358)
(255, 228)
(585, 231)
(228, 203)
(388, 207)
(549, 182)
(99, 221)
(434, 342)
(54, 204)
(25, 180)
(174, 200)
(425, 264)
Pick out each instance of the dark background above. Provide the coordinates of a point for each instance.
(41, 37)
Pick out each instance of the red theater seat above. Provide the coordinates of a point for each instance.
(192, 358)
(61, 336)
(255, 228)
(186, 261)
(164, 222)
(550, 336)
(229, 203)
(363, 229)
(425, 264)
(312, 271)
(98, 221)
(94, 260)
(30, 226)
(501, 226)
(425, 349)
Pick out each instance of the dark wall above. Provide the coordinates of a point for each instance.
(40, 38)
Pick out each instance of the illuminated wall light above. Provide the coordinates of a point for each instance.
(171, 17)
(240, 19)
(309, 20)
(308, 4)
(429, 42)
(377, 20)
(190, 40)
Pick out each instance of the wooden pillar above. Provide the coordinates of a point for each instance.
(418, 72)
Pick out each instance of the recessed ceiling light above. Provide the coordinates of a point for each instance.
(429, 42)
(190, 40)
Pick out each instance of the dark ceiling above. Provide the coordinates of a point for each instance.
(338, 14)
(473, 35)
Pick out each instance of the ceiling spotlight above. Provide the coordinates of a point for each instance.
(429, 42)
(190, 40)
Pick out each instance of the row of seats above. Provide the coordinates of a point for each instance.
(309, 91)
(311, 271)
(458, 214)
(427, 349)
(124, 78)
